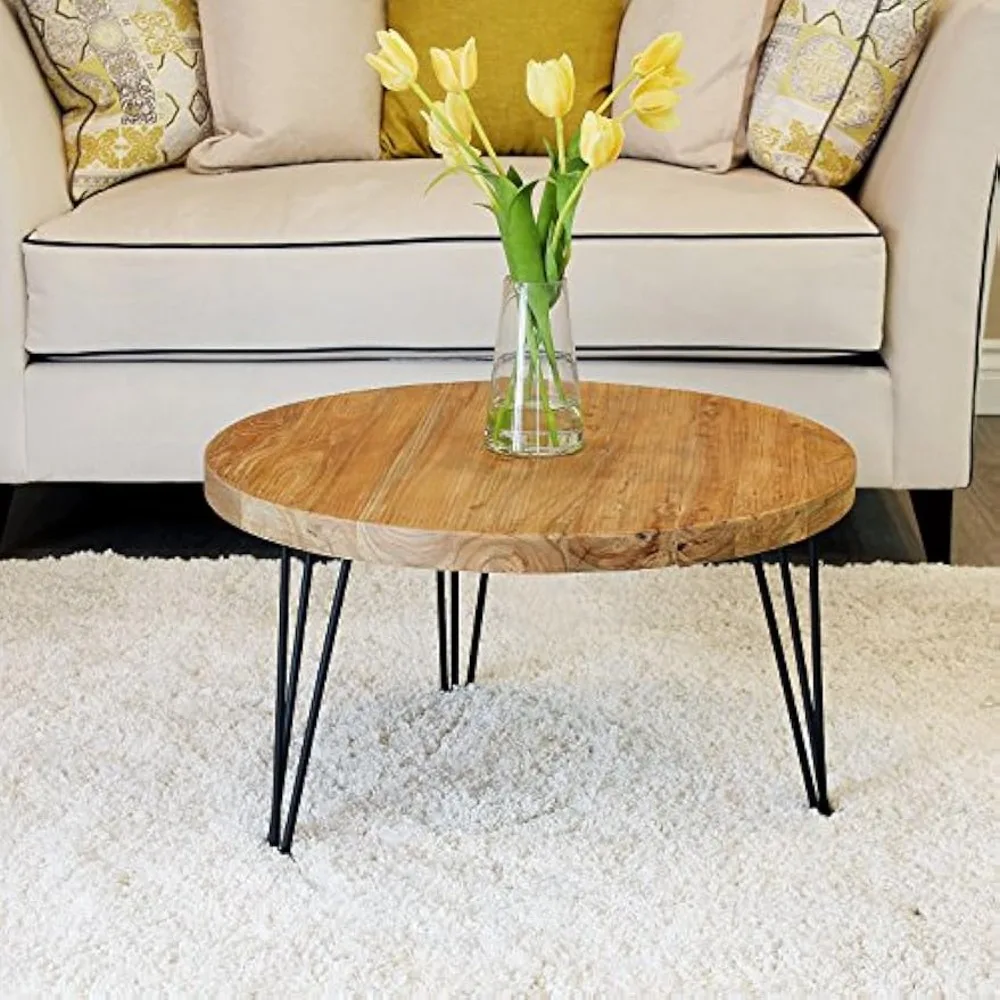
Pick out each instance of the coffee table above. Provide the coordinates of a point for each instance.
(401, 477)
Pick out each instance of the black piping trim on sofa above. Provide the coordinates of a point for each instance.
(867, 359)
(155, 354)
(984, 281)
(32, 240)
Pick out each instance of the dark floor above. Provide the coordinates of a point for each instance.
(173, 520)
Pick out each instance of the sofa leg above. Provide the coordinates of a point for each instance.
(934, 510)
(6, 496)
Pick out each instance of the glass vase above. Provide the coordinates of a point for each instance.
(535, 391)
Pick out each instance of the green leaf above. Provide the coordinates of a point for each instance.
(484, 168)
(514, 177)
(553, 153)
(565, 186)
(440, 177)
(551, 264)
(521, 241)
(557, 256)
(502, 190)
(558, 247)
(548, 210)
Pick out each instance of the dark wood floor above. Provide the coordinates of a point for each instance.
(977, 535)
(172, 520)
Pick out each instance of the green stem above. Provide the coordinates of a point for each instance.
(536, 374)
(616, 93)
(505, 411)
(568, 207)
(470, 153)
(481, 132)
(550, 417)
(472, 172)
(537, 336)
(561, 144)
(443, 120)
(541, 318)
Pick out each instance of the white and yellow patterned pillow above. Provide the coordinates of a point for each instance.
(129, 77)
(830, 78)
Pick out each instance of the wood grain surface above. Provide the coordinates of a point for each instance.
(401, 477)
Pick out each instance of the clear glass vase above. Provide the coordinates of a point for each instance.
(535, 393)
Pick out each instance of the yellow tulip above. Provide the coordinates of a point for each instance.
(654, 101)
(454, 110)
(661, 55)
(552, 86)
(601, 140)
(395, 62)
(456, 69)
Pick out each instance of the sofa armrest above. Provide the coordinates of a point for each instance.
(930, 189)
(32, 190)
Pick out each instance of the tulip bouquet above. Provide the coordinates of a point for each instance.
(536, 231)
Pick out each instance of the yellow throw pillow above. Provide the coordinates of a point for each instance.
(830, 79)
(129, 78)
(507, 36)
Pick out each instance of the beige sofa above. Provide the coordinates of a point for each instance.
(134, 326)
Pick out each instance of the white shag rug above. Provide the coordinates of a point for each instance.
(614, 810)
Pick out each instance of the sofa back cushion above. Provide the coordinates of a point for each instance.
(352, 261)
(832, 74)
(507, 36)
(288, 82)
(723, 42)
(129, 78)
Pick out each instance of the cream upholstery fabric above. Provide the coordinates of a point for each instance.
(929, 187)
(353, 255)
(32, 190)
(138, 421)
(724, 39)
(289, 83)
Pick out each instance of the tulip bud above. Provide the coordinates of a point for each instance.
(552, 86)
(660, 55)
(395, 62)
(456, 112)
(601, 140)
(653, 102)
(456, 69)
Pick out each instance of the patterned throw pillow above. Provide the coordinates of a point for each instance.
(129, 77)
(831, 76)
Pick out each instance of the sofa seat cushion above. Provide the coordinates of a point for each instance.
(354, 257)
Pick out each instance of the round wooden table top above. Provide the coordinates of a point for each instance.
(402, 477)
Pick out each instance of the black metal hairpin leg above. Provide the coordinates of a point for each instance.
(288, 680)
(477, 627)
(449, 651)
(455, 609)
(287, 690)
(812, 758)
(442, 603)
